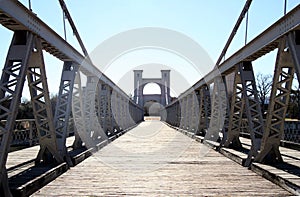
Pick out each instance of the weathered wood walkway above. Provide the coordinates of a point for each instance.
(155, 160)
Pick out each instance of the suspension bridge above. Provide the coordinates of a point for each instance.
(97, 141)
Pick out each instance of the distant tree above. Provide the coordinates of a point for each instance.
(25, 110)
(264, 86)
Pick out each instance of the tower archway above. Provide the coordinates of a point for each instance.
(163, 98)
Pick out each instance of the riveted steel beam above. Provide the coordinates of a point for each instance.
(41, 104)
(218, 110)
(279, 98)
(63, 107)
(11, 85)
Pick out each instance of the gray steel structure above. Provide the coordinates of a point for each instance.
(102, 109)
(221, 118)
(95, 115)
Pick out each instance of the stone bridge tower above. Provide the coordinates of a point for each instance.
(163, 82)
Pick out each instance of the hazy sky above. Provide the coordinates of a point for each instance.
(207, 23)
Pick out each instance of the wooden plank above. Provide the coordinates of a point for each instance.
(155, 160)
(21, 160)
(286, 174)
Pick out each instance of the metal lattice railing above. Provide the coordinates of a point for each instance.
(291, 130)
(25, 132)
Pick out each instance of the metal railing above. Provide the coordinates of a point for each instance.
(291, 130)
(25, 132)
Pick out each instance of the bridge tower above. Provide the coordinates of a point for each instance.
(140, 82)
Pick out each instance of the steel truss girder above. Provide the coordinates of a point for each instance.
(79, 116)
(90, 110)
(41, 104)
(279, 98)
(115, 107)
(294, 48)
(128, 120)
(111, 119)
(182, 112)
(117, 111)
(16, 16)
(12, 82)
(204, 110)
(124, 114)
(174, 117)
(252, 108)
(25, 58)
(189, 110)
(104, 111)
(185, 113)
(177, 114)
(236, 113)
(63, 107)
(218, 110)
(226, 118)
(264, 43)
(194, 114)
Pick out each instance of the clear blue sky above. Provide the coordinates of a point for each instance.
(209, 23)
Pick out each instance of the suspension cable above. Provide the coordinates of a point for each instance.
(246, 31)
(64, 23)
(68, 16)
(239, 21)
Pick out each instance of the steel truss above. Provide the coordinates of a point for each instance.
(236, 113)
(204, 109)
(104, 113)
(25, 58)
(63, 107)
(183, 113)
(37, 81)
(225, 104)
(82, 134)
(194, 114)
(245, 101)
(218, 110)
(173, 114)
(280, 93)
(90, 100)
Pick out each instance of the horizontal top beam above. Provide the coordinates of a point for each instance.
(15, 16)
(264, 43)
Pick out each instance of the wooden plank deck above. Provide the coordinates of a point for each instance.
(155, 160)
(22, 160)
